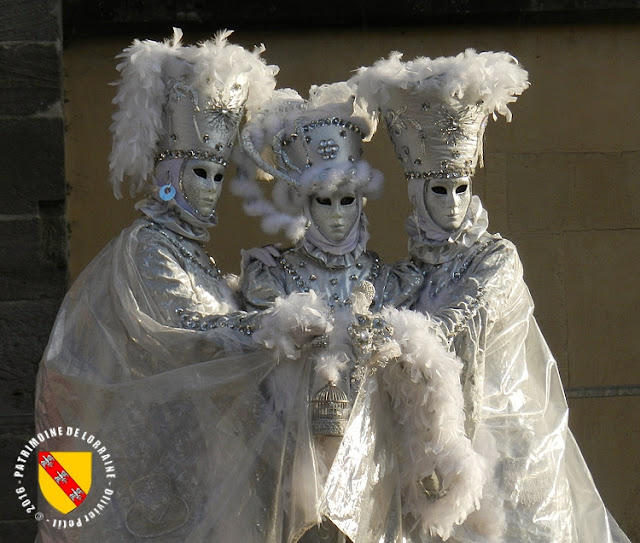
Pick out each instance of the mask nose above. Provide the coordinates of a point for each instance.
(207, 179)
(452, 199)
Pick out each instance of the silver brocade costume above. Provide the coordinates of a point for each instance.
(298, 271)
(120, 365)
(199, 451)
(542, 491)
(149, 352)
(358, 480)
(436, 111)
(406, 421)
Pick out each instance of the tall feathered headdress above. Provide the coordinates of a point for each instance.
(305, 147)
(178, 101)
(436, 110)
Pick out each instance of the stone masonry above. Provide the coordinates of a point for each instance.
(33, 232)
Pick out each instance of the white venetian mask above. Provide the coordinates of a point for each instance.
(201, 185)
(335, 215)
(447, 201)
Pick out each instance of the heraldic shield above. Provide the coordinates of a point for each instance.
(64, 478)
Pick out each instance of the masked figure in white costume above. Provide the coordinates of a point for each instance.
(373, 428)
(150, 352)
(436, 112)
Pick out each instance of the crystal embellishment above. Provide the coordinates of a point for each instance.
(328, 149)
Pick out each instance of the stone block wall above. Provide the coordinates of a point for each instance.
(33, 231)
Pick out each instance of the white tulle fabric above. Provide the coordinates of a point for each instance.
(406, 422)
(179, 410)
(209, 429)
(541, 489)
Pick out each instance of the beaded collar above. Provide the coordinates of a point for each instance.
(177, 241)
(296, 273)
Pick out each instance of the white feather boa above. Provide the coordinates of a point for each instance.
(293, 321)
(426, 397)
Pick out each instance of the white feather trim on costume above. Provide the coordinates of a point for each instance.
(427, 402)
(292, 321)
(137, 121)
(330, 366)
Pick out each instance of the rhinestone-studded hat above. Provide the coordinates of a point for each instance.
(323, 137)
(179, 101)
(436, 110)
(306, 147)
(291, 135)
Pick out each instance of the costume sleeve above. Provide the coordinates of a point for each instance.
(480, 293)
(484, 293)
(165, 285)
(172, 295)
(403, 284)
(261, 283)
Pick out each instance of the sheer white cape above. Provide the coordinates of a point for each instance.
(541, 490)
(200, 450)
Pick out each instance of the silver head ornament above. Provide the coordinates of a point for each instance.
(433, 139)
(436, 110)
(292, 135)
(309, 147)
(328, 141)
(200, 116)
(182, 102)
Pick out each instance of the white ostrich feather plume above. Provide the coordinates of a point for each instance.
(137, 123)
(495, 78)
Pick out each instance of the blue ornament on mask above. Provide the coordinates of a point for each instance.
(167, 192)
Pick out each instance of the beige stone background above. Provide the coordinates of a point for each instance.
(560, 181)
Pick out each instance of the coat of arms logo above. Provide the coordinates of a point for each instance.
(64, 478)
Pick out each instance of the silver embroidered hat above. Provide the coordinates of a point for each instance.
(297, 147)
(178, 101)
(320, 137)
(199, 119)
(436, 110)
(292, 135)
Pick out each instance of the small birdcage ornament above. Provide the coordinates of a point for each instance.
(329, 411)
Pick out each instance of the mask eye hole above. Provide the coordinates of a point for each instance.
(323, 201)
(461, 189)
(200, 172)
(439, 190)
(218, 177)
(347, 200)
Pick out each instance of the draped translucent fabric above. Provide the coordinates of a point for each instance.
(541, 489)
(209, 431)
